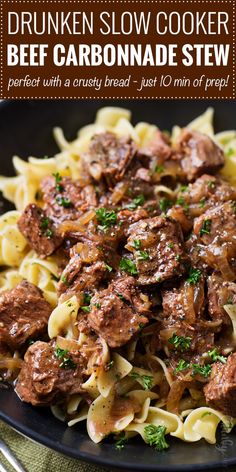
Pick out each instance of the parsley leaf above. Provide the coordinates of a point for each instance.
(193, 276)
(121, 441)
(106, 218)
(86, 309)
(109, 268)
(204, 370)
(58, 179)
(165, 204)
(215, 356)
(146, 380)
(63, 201)
(87, 297)
(128, 266)
(64, 280)
(206, 227)
(159, 169)
(137, 201)
(143, 255)
(202, 202)
(211, 184)
(67, 362)
(155, 436)
(180, 342)
(182, 365)
(136, 243)
(181, 202)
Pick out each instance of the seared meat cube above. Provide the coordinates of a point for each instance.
(184, 304)
(86, 268)
(47, 378)
(39, 230)
(159, 147)
(156, 244)
(24, 314)
(215, 231)
(198, 154)
(220, 293)
(220, 392)
(117, 313)
(109, 157)
(67, 199)
(183, 315)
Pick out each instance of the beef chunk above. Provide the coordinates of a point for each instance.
(109, 157)
(220, 293)
(156, 244)
(199, 154)
(117, 312)
(39, 230)
(184, 304)
(86, 268)
(45, 379)
(215, 233)
(220, 392)
(159, 147)
(24, 314)
(183, 314)
(67, 199)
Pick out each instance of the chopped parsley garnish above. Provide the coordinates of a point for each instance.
(63, 201)
(30, 342)
(206, 227)
(215, 356)
(97, 305)
(109, 268)
(183, 188)
(109, 365)
(193, 276)
(204, 370)
(128, 266)
(229, 301)
(136, 243)
(49, 233)
(211, 184)
(180, 342)
(121, 441)
(141, 325)
(121, 296)
(64, 280)
(159, 169)
(182, 365)
(181, 201)
(66, 361)
(178, 257)
(146, 380)
(58, 179)
(202, 202)
(86, 309)
(87, 297)
(143, 255)
(106, 218)
(165, 204)
(137, 201)
(155, 436)
(170, 245)
(44, 226)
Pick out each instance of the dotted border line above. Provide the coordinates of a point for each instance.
(112, 97)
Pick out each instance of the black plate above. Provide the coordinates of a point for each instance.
(26, 128)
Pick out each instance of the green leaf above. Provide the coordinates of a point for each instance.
(206, 227)
(128, 266)
(106, 218)
(193, 276)
(143, 255)
(215, 356)
(180, 342)
(204, 370)
(146, 380)
(165, 204)
(137, 201)
(136, 243)
(182, 365)
(155, 436)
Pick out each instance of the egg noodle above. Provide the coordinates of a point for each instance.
(105, 387)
